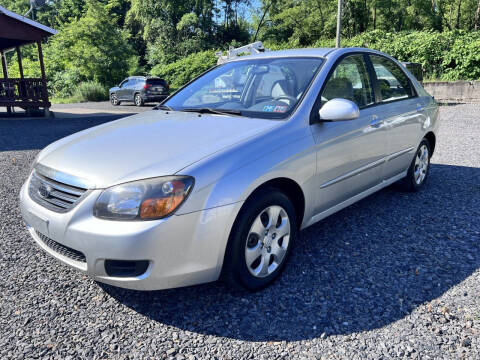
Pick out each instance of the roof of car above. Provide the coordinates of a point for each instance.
(145, 77)
(313, 52)
(308, 52)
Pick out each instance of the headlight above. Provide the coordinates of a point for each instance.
(144, 199)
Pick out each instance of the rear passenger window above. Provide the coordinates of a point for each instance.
(393, 83)
(350, 80)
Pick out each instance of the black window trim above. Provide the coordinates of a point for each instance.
(314, 116)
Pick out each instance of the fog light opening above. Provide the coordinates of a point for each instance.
(124, 268)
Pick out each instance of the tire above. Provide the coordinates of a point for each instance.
(114, 100)
(137, 99)
(267, 242)
(418, 171)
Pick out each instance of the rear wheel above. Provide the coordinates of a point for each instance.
(260, 241)
(138, 100)
(418, 171)
(114, 99)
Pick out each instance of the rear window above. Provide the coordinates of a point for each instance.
(156, 82)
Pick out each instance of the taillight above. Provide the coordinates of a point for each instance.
(146, 86)
(167, 86)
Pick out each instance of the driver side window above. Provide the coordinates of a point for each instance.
(350, 81)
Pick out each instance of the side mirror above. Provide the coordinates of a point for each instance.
(339, 110)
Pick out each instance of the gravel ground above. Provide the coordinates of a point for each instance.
(396, 275)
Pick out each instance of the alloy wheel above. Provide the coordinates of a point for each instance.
(138, 100)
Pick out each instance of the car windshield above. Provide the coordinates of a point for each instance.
(266, 88)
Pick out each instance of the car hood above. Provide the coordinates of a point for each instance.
(154, 143)
(115, 88)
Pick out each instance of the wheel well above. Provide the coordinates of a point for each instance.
(431, 141)
(290, 188)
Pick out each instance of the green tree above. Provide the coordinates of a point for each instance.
(90, 48)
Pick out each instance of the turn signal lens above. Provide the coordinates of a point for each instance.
(145, 199)
(174, 192)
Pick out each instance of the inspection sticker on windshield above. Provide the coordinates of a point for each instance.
(273, 108)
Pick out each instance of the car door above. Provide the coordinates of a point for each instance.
(400, 110)
(130, 89)
(350, 154)
(121, 95)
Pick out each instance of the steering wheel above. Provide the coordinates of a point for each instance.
(288, 97)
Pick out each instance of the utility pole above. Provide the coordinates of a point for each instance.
(339, 23)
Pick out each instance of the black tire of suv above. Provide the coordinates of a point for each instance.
(113, 96)
(137, 99)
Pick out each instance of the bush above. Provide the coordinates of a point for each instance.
(180, 72)
(90, 91)
(450, 55)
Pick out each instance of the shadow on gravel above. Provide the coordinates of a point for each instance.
(360, 269)
(33, 134)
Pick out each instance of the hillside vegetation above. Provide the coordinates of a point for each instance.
(102, 41)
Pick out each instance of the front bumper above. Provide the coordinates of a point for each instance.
(182, 250)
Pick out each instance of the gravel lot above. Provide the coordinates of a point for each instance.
(396, 275)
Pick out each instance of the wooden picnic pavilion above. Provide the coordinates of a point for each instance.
(29, 94)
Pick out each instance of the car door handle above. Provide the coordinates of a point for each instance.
(375, 122)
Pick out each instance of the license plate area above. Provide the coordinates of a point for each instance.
(38, 223)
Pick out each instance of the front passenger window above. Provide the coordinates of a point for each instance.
(350, 81)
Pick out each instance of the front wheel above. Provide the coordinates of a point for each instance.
(138, 100)
(418, 170)
(114, 99)
(261, 240)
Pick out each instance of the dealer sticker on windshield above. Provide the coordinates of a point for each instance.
(273, 108)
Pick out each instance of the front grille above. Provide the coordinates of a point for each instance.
(54, 195)
(62, 249)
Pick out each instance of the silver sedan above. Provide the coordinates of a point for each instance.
(219, 179)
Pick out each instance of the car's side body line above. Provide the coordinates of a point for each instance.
(399, 153)
(366, 167)
(354, 172)
(354, 199)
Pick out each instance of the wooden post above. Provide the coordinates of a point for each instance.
(44, 78)
(5, 76)
(21, 85)
(20, 66)
(4, 65)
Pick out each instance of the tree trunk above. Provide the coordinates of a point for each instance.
(261, 21)
(457, 23)
(477, 16)
(375, 16)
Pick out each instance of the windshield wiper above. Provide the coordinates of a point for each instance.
(212, 111)
(162, 107)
